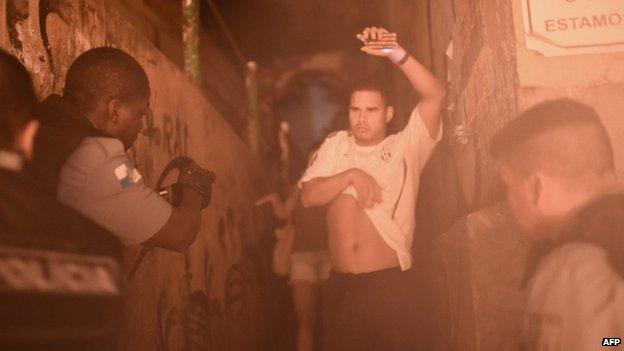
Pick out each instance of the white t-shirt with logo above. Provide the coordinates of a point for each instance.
(396, 164)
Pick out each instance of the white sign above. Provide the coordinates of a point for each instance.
(569, 27)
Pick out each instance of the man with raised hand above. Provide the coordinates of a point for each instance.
(370, 181)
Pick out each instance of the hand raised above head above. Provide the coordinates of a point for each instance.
(370, 34)
(381, 42)
(377, 41)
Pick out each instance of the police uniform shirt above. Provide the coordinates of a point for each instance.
(100, 181)
(396, 164)
(576, 299)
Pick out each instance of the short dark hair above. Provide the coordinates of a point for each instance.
(371, 84)
(562, 137)
(17, 98)
(105, 73)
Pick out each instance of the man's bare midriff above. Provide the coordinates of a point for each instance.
(355, 245)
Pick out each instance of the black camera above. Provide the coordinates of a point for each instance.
(175, 192)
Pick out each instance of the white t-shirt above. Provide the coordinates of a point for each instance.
(100, 181)
(396, 164)
(576, 299)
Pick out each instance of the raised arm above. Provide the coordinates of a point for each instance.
(377, 42)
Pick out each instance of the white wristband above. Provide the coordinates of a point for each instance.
(397, 54)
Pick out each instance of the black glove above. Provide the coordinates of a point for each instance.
(191, 175)
(198, 179)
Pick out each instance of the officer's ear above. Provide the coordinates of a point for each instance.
(25, 140)
(389, 113)
(112, 110)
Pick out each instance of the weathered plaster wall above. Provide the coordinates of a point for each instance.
(473, 48)
(209, 297)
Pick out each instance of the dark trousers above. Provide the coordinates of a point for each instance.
(369, 311)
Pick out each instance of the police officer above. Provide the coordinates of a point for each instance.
(81, 153)
(557, 165)
(59, 272)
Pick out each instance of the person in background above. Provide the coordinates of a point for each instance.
(556, 162)
(284, 232)
(309, 269)
(309, 262)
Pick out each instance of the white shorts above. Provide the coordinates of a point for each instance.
(310, 266)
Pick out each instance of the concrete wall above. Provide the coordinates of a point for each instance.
(209, 297)
(157, 20)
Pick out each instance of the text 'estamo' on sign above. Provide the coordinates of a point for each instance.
(583, 22)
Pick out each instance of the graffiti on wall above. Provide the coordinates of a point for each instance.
(175, 136)
(150, 130)
(171, 136)
(206, 321)
(44, 36)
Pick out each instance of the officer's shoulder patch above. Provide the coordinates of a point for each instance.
(127, 174)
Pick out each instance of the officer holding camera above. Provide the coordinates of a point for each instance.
(81, 151)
